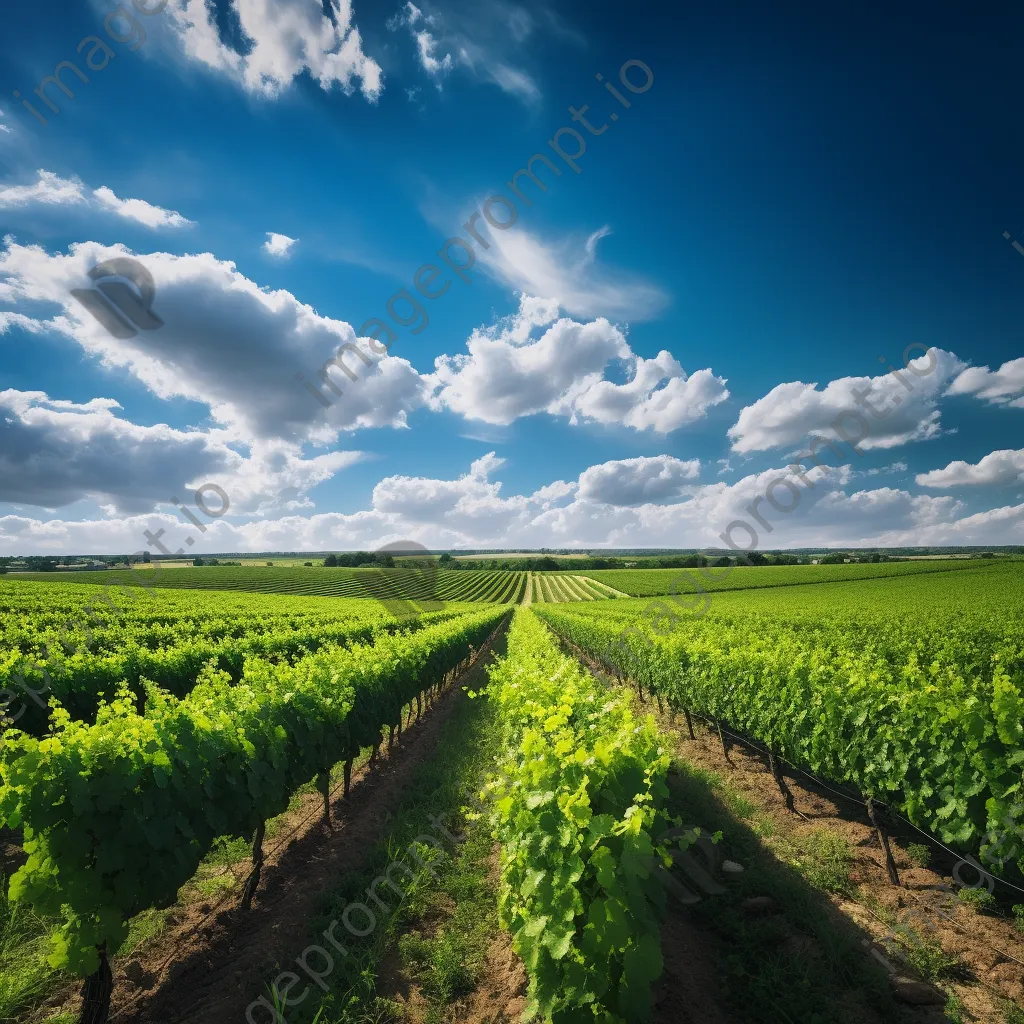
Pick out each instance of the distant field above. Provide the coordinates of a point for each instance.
(656, 582)
(986, 592)
(497, 585)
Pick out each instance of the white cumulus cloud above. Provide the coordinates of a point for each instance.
(50, 189)
(471, 511)
(883, 411)
(507, 374)
(54, 452)
(637, 481)
(225, 342)
(278, 245)
(139, 210)
(1001, 467)
(283, 39)
(1004, 386)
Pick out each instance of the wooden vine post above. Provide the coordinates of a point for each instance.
(725, 745)
(323, 783)
(348, 776)
(689, 723)
(252, 883)
(890, 862)
(780, 781)
(96, 992)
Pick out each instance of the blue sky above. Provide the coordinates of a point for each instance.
(636, 360)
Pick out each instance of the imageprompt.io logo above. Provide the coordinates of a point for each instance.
(408, 591)
(123, 297)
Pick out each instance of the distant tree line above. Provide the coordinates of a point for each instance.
(360, 560)
(546, 563)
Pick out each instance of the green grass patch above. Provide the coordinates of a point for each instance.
(926, 956)
(1012, 1013)
(979, 900)
(25, 976)
(919, 854)
(824, 860)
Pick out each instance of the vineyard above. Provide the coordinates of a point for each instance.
(563, 588)
(118, 813)
(411, 591)
(408, 586)
(655, 582)
(82, 644)
(147, 728)
(910, 689)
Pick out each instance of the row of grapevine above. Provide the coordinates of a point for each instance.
(576, 809)
(44, 619)
(924, 713)
(57, 604)
(117, 815)
(85, 658)
(558, 588)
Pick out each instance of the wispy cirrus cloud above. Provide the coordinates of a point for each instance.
(568, 270)
(419, 26)
(482, 39)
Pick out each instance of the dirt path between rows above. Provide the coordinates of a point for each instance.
(207, 968)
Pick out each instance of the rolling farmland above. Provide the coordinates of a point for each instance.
(412, 585)
(409, 590)
(656, 582)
